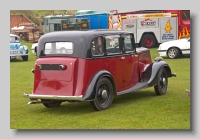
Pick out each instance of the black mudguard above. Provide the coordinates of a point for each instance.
(91, 90)
(151, 72)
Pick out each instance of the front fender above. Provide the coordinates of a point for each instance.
(152, 71)
(90, 92)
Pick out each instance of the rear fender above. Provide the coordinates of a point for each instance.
(150, 74)
(90, 92)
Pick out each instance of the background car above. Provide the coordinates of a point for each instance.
(17, 50)
(34, 48)
(174, 49)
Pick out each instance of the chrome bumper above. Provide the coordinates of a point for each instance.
(34, 98)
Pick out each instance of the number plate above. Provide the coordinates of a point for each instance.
(16, 52)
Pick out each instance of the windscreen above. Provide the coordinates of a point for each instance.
(186, 15)
(14, 39)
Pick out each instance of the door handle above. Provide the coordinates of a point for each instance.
(122, 57)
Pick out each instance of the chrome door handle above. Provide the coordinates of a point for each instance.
(123, 57)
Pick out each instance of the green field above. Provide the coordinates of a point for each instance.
(139, 110)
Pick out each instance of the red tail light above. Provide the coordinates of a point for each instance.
(62, 67)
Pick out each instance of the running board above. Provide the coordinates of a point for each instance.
(136, 87)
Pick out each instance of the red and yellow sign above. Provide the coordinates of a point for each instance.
(184, 33)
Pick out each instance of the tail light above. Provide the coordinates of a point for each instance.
(39, 67)
(62, 67)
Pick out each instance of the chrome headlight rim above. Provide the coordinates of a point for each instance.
(25, 48)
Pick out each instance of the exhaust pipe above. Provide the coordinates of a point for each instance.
(34, 102)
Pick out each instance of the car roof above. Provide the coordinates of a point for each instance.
(14, 35)
(80, 38)
(80, 33)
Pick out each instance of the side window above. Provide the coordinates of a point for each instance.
(128, 44)
(97, 46)
(113, 44)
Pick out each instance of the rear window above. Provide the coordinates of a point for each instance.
(59, 48)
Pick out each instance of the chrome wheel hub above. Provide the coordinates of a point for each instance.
(104, 94)
(164, 81)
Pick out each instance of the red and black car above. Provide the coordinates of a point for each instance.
(94, 66)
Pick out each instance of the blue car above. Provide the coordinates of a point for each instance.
(17, 50)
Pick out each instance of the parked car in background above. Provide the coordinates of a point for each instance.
(188, 92)
(175, 49)
(34, 48)
(95, 68)
(17, 50)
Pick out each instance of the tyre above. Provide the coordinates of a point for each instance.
(173, 53)
(51, 103)
(148, 41)
(25, 58)
(161, 87)
(104, 95)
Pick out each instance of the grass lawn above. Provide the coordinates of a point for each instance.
(139, 110)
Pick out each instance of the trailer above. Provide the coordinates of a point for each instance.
(53, 23)
(97, 19)
(152, 27)
(62, 22)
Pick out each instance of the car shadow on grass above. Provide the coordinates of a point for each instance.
(183, 57)
(16, 60)
(134, 96)
(73, 108)
(82, 108)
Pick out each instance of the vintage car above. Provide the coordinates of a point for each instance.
(94, 69)
(175, 49)
(17, 50)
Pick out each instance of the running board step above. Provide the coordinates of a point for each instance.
(136, 87)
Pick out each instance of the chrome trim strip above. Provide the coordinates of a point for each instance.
(53, 97)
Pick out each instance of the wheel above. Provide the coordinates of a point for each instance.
(161, 87)
(25, 58)
(173, 53)
(104, 95)
(148, 41)
(51, 104)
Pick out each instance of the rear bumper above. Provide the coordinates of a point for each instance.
(34, 98)
(18, 54)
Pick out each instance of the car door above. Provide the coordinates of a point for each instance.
(131, 71)
(115, 59)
